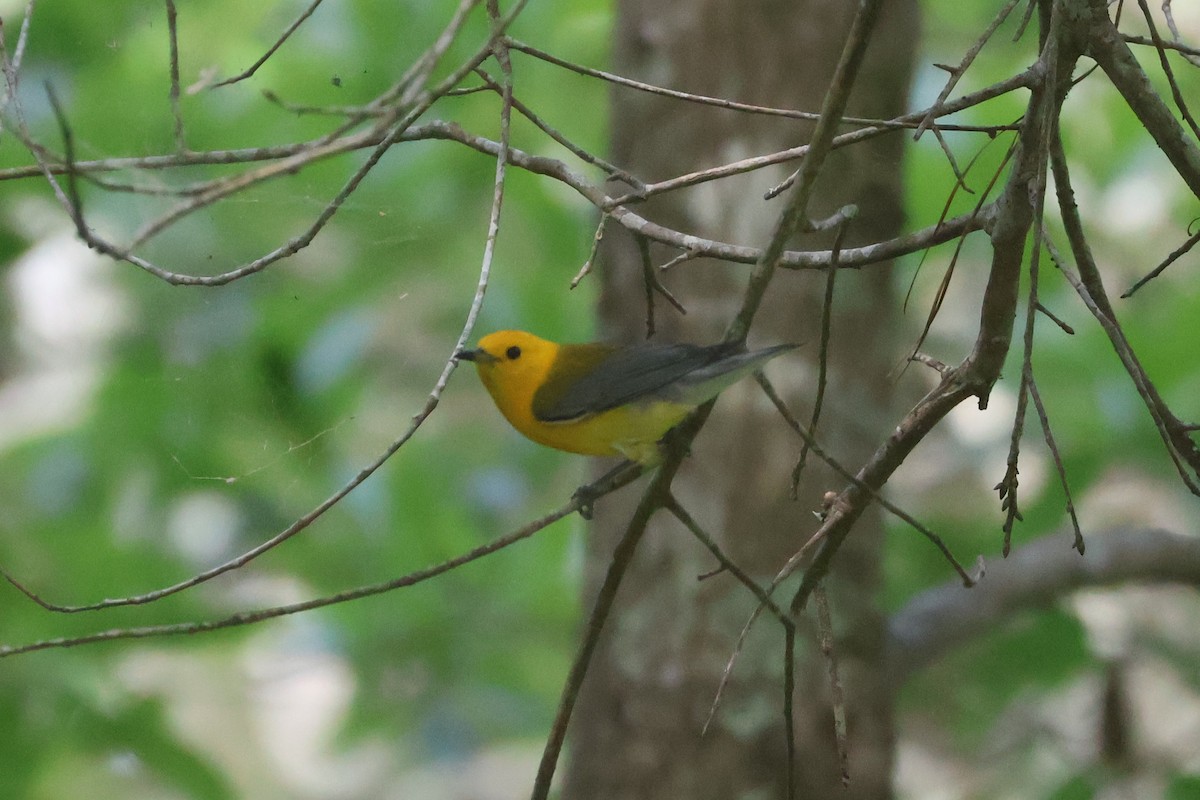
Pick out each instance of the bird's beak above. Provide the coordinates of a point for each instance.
(478, 356)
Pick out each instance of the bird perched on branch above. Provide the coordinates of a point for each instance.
(603, 399)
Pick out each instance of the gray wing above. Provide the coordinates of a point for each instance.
(679, 372)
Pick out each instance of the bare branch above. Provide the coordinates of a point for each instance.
(1112, 54)
(957, 72)
(1183, 249)
(588, 158)
(979, 371)
(791, 259)
(822, 359)
(23, 37)
(655, 496)
(1176, 93)
(858, 483)
(173, 38)
(727, 564)
(418, 107)
(1020, 81)
(1050, 315)
(430, 404)
(1034, 576)
(597, 237)
(1007, 487)
(654, 285)
(283, 37)
(1187, 50)
(789, 691)
(1090, 287)
(794, 214)
(252, 617)
(12, 67)
(825, 626)
(1059, 467)
(944, 285)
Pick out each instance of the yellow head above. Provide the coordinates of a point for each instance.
(512, 365)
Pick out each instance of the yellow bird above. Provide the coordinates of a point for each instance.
(602, 399)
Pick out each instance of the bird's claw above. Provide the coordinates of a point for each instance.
(586, 496)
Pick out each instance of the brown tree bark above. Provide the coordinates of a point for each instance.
(637, 731)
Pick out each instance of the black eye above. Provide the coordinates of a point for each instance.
(513, 353)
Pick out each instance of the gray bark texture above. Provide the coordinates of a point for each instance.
(637, 728)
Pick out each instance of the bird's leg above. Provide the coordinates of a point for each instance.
(672, 439)
(589, 493)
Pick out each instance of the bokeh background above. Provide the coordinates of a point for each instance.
(148, 432)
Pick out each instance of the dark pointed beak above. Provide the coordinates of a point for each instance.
(478, 356)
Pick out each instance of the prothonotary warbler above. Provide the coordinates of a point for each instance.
(603, 399)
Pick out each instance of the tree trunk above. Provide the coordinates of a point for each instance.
(637, 732)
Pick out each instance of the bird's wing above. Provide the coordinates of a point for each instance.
(588, 379)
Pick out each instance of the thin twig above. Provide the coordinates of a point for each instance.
(72, 191)
(789, 718)
(1176, 93)
(719, 102)
(727, 563)
(283, 37)
(303, 240)
(941, 367)
(1186, 50)
(251, 617)
(822, 356)
(727, 674)
(1007, 487)
(1183, 249)
(960, 177)
(12, 68)
(193, 158)
(944, 285)
(653, 284)
(1090, 287)
(957, 72)
(874, 496)
(586, 269)
(176, 113)
(611, 170)
(1019, 81)
(1050, 315)
(361, 111)
(837, 696)
(1026, 18)
(909, 121)
(643, 245)
(796, 210)
(430, 404)
(23, 37)
(1059, 467)
(686, 255)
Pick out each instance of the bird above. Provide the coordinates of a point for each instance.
(605, 399)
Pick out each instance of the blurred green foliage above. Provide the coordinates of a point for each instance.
(221, 415)
(216, 417)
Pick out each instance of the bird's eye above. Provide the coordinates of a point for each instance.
(513, 353)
